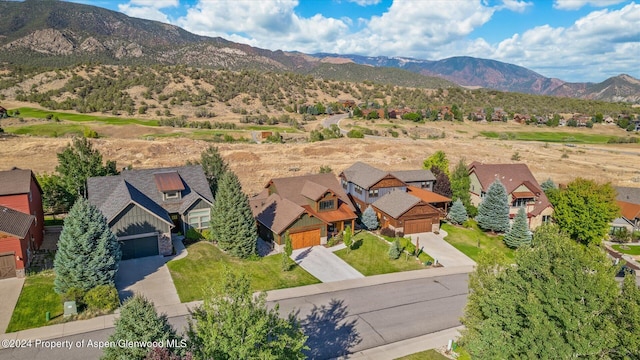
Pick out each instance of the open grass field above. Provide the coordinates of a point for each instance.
(370, 257)
(557, 136)
(472, 242)
(49, 129)
(205, 264)
(27, 112)
(37, 297)
(627, 249)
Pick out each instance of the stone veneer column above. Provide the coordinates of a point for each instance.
(165, 245)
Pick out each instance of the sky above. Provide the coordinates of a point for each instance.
(573, 40)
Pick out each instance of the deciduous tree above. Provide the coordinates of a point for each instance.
(584, 209)
(460, 183)
(439, 160)
(346, 238)
(232, 223)
(88, 252)
(56, 199)
(493, 213)
(233, 324)
(442, 185)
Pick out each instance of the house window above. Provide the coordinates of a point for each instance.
(344, 184)
(358, 189)
(546, 219)
(373, 193)
(423, 184)
(520, 202)
(326, 205)
(482, 194)
(172, 195)
(199, 219)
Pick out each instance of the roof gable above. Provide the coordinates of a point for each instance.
(363, 175)
(16, 181)
(292, 188)
(396, 203)
(313, 191)
(628, 194)
(168, 181)
(277, 213)
(414, 175)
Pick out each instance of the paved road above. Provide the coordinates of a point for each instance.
(335, 119)
(337, 322)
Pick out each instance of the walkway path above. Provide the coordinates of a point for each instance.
(9, 292)
(435, 245)
(324, 264)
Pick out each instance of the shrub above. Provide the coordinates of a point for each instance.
(410, 247)
(193, 235)
(102, 297)
(387, 232)
(206, 234)
(356, 134)
(91, 134)
(394, 250)
(399, 233)
(75, 294)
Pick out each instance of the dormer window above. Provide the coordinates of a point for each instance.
(327, 205)
(373, 193)
(172, 195)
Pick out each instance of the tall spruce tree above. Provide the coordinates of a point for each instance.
(442, 185)
(139, 321)
(458, 214)
(548, 185)
(88, 252)
(369, 218)
(232, 223)
(519, 233)
(493, 213)
(214, 167)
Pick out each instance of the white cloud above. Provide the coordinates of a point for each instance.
(158, 4)
(577, 4)
(144, 12)
(270, 24)
(365, 2)
(515, 5)
(598, 45)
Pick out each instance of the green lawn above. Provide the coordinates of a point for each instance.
(467, 240)
(558, 136)
(425, 355)
(27, 112)
(632, 249)
(370, 257)
(52, 129)
(205, 264)
(36, 299)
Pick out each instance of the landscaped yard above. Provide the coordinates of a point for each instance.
(205, 264)
(27, 112)
(370, 257)
(467, 241)
(425, 355)
(627, 249)
(36, 299)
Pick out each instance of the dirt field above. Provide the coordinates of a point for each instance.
(255, 164)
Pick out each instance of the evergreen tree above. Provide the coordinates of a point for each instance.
(439, 160)
(442, 185)
(369, 218)
(548, 185)
(232, 223)
(493, 213)
(80, 161)
(214, 167)
(457, 213)
(139, 321)
(460, 184)
(395, 250)
(519, 233)
(233, 324)
(88, 252)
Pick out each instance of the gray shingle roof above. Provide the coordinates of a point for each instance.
(628, 194)
(112, 193)
(396, 203)
(414, 175)
(14, 222)
(15, 181)
(363, 174)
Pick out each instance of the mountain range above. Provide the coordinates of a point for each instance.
(57, 33)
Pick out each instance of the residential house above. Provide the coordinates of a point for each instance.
(21, 221)
(521, 119)
(478, 115)
(445, 113)
(348, 104)
(523, 189)
(311, 208)
(143, 207)
(498, 114)
(581, 119)
(609, 120)
(628, 198)
(403, 200)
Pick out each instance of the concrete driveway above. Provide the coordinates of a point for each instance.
(148, 276)
(324, 264)
(10, 290)
(447, 255)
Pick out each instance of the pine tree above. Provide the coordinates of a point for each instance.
(458, 213)
(214, 167)
(369, 218)
(519, 233)
(548, 185)
(493, 213)
(88, 252)
(139, 321)
(442, 185)
(232, 223)
(395, 250)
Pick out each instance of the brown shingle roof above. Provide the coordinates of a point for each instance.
(396, 203)
(277, 213)
(313, 191)
(426, 195)
(511, 176)
(15, 181)
(14, 222)
(168, 181)
(363, 175)
(628, 194)
(291, 187)
(414, 175)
